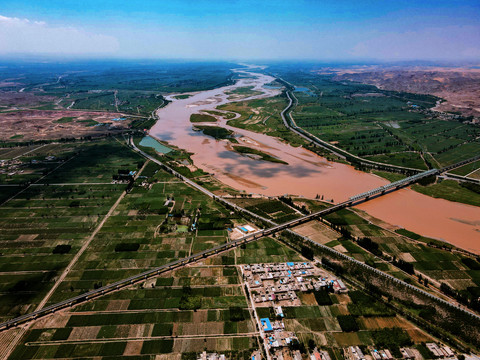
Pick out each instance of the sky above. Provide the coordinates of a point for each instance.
(385, 30)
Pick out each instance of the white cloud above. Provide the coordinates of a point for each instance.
(449, 43)
(24, 36)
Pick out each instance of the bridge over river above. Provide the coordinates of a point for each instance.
(274, 229)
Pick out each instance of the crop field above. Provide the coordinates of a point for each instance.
(242, 93)
(160, 76)
(433, 259)
(379, 124)
(467, 170)
(78, 162)
(354, 319)
(263, 116)
(274, 210)
(203, 306)
(197, 307)
(82, 99)
(450, 190)
(43, 226)
(144, 233)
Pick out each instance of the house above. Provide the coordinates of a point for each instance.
(266, 324)
(407, 353)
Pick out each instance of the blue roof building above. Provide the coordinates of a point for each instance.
(267, 325)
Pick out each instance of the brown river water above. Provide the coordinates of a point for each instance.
(306, 174)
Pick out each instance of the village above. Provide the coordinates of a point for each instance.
(277, 286)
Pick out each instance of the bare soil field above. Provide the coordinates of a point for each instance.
(16, 99)
(54, 124)
(460, 87)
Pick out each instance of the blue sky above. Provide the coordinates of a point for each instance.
(262, 29)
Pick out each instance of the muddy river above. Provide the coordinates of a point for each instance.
(306, 174)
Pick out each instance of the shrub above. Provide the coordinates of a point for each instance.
(127, 247)
(347, 323)
(391, 338)
(371, 246)
(189, 301)
(236, 314)
(74, 203)
(62, 249)
(323, 298)
(471, 263)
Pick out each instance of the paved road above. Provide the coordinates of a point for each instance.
(324, 144)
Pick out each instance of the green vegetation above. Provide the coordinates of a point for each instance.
(219, 133)
(450, 190)
(392, 177)
(377, 124)
(225, 115)
(196, 118)
(64, 120)
(243, 92)
(161, 219)
(261, 154)
(182, 96)
(323, 298)
(391, 338)
(274, 210)
(62, 249)
(16, 137)
(466, 169)
(347, 323)
(127, 247)
(188, 301)
(88, 122)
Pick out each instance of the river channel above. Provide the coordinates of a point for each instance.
(306, 174)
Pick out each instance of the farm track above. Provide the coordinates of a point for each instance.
(101, 224)
(141, 338)
(33, 184)
(226, 247)
(72, 263)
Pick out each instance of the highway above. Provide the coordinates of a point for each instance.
(291, 125)
(275, 228)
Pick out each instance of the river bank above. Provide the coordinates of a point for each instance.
(306, 174)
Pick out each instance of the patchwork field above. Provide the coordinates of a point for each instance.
(381, 125)
(37, 125)
(43, 226)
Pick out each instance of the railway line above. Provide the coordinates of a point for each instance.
(274, 229)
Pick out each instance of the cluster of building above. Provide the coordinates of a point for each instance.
(275, 334)
(440, 352)
(10, 167)
(286, 354)
(319, 355)
(280, 282)
(407, 353)
(276, 285)
(441, 114)
(353, 353)
(211, 356)
(383, 354)
(14, 166)
(240, 231)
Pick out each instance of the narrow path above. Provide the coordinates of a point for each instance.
(142, 338)
(43, 177)
(28, 152)
(257, 321)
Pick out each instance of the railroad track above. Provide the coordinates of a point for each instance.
(275, 228)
